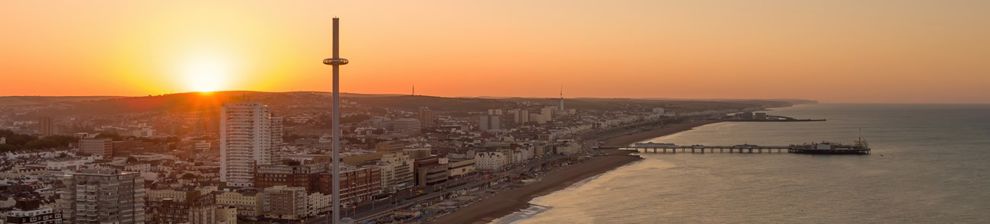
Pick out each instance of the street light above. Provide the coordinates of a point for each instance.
(336, 62)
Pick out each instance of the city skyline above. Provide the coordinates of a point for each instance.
(225, 112)
(917, 52)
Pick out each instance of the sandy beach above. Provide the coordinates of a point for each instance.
(633, 136)
(512, 200)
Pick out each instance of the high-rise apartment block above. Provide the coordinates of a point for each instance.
(102, 196)
(427, 118)
(248, 135)
(489, 123)
(46, 127)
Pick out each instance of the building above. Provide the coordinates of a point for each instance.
(133, 147)
(318, 203)
(248, 135)
(460, 167)
(193, 206)
(760, 116)
(356, 184)
(287, 203)
(46, 127)
(290, 173)
(568, 148)
(546, 115)
(406, 126)
(521, 155)
(277, 130)
(489, 123)
(659, 110)
(180, 206)
(427, 118)
(96, 146)
(431, 171)
(103, 196)
(31, 212)
(491, 161)
(418, 152)
(390, 146)
(202, 146)
(396, 171)
(225, 215)
(247, 203)
(202, 215)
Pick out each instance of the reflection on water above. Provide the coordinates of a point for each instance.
(929, 165)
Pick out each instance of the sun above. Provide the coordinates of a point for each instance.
(206, 74)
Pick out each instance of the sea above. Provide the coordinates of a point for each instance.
(930, 164)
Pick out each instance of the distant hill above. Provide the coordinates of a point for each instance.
(39, 100)
(103, 105)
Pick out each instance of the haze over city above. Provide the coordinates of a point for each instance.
(832, 51)
(494, 112)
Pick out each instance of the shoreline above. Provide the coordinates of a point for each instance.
(634, 136)
(509, 201)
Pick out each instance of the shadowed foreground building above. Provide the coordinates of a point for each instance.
(103, 196)
(431, 171)
(357, 184)
(193, 206)
(246, 203)
(285, 203)
(31, 212)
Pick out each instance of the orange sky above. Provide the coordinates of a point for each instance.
(834, 50)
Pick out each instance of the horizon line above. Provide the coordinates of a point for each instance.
(534, 97)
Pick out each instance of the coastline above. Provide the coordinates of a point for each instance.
(634, 136)
(508, 201)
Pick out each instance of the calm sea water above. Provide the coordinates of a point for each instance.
(930, 164)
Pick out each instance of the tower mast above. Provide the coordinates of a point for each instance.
(336, 61)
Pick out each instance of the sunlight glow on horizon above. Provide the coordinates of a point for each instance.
(834, 51)
(205, 74)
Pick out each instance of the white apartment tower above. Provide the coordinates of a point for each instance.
(248, 136)
(397, 171)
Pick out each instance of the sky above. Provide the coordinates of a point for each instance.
(832, 50)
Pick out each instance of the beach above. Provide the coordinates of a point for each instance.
(512, 200)
(628, 137)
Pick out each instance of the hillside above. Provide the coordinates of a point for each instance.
(103, 105)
